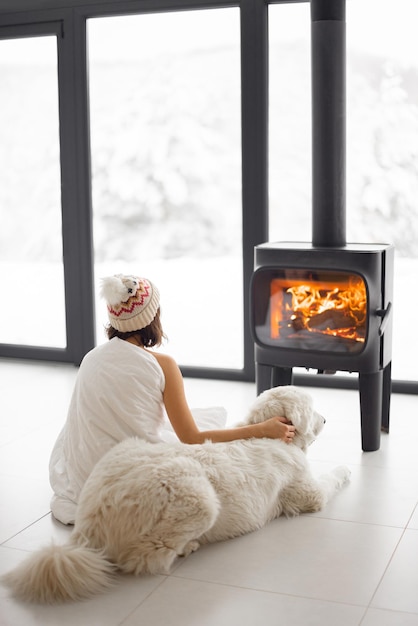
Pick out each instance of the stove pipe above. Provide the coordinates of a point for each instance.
(328, 123)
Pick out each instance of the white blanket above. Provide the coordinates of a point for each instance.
(128, 384)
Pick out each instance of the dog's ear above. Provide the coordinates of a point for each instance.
(298, 409)
(266, 405)
(288, 401)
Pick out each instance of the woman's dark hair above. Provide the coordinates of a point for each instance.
(151, 335)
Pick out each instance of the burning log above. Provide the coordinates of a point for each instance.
(332, 319)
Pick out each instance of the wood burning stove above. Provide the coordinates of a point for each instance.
(327, 305)
(327, 309)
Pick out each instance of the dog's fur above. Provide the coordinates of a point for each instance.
(144, 504)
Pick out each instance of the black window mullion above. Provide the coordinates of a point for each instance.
(254, 85)
(76, 189)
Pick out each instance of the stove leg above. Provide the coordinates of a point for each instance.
(281, 376)
(262, 377)
(387, 391)
(268, 376)
(371, 392)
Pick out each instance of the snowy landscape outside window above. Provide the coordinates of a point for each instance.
(166, 171)
(382, 141)
(31, 267)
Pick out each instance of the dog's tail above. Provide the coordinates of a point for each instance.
(59, 574)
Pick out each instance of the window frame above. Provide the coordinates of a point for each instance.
(74, 166)
(254, 138)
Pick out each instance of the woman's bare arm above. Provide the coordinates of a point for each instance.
(183, 422)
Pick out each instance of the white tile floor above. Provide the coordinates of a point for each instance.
(355, 563)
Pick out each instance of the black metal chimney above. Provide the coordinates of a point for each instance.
(328, 123)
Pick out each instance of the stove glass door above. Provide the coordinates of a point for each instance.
(311, 310)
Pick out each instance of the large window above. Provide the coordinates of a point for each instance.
(382, 141)
(166, 166)
(290, 192)
(382, 150)
(31, 269)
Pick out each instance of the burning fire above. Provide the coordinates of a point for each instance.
(337, 309)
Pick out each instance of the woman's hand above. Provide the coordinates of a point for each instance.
(277, 428)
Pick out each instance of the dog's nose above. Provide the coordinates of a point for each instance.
(325, 421)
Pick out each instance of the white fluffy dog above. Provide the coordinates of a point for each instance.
(144, 504)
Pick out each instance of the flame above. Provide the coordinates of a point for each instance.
(337, 308)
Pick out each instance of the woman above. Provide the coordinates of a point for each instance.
(124, 389)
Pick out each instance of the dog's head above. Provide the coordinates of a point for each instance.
(295, 404)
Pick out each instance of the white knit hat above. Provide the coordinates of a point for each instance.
(132, 302)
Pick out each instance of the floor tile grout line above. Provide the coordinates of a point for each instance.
(363, 617)
(385, 570)
(269, 591)
(352, 521)
(410, 517)
(23, 529)
(393, 611)
(143, 600)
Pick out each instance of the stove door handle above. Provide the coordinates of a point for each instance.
(385, 315)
